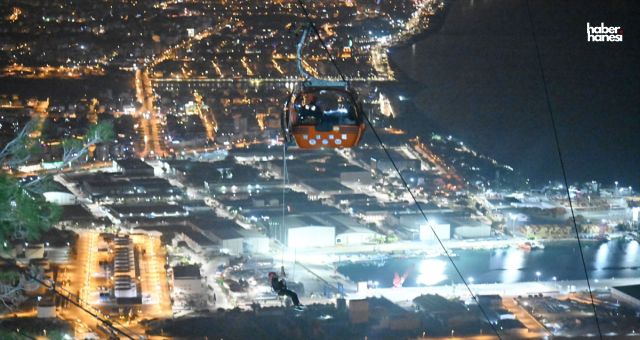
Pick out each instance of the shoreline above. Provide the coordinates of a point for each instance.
(435, 25)
(434, 251)
(470, 244)
(436, 21)
(377, 255)
(551, 287)
(330, 274)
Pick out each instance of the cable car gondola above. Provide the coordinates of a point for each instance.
(322, 113)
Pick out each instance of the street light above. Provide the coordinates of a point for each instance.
(538, 275)
(470, 279)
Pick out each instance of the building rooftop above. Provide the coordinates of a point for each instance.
(352, 198)
(75, 212)
(341, 223)
(190, 271)
(325, 185)
(133, 164)
(438, 304)
(226, 232)
(157, 209)
(180, 227)
(57, 187)
(101, 185)
(632, 290)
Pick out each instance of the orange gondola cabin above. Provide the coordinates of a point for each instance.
(323, 117)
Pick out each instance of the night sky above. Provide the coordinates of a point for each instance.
(477, 77)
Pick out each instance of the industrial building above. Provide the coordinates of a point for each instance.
(187, 280)
(324, 230)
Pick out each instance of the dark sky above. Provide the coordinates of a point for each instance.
(478, 78)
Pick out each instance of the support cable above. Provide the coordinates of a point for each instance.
(324, 46)
(284, 194)
(397, 170)
(54, 288)
(562, 166)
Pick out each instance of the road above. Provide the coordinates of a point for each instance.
(84, 280)
(171, 52)
(150, 126)
(380, 62)
(207, 117)
(448, 172)
(536, 329)
(81, 277)
(258, 80)
(209, 269)
(153, 276)
(406, 294)
(149, 121)
(404, 297)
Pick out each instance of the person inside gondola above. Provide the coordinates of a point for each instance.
(339, 111)
(279, 285)
(308, 109)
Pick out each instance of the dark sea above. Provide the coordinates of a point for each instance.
(476, 76)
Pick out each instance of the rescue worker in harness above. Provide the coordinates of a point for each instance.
(280, 287)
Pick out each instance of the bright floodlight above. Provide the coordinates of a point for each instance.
(432, 272)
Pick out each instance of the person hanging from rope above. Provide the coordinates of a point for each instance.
(279, 285)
